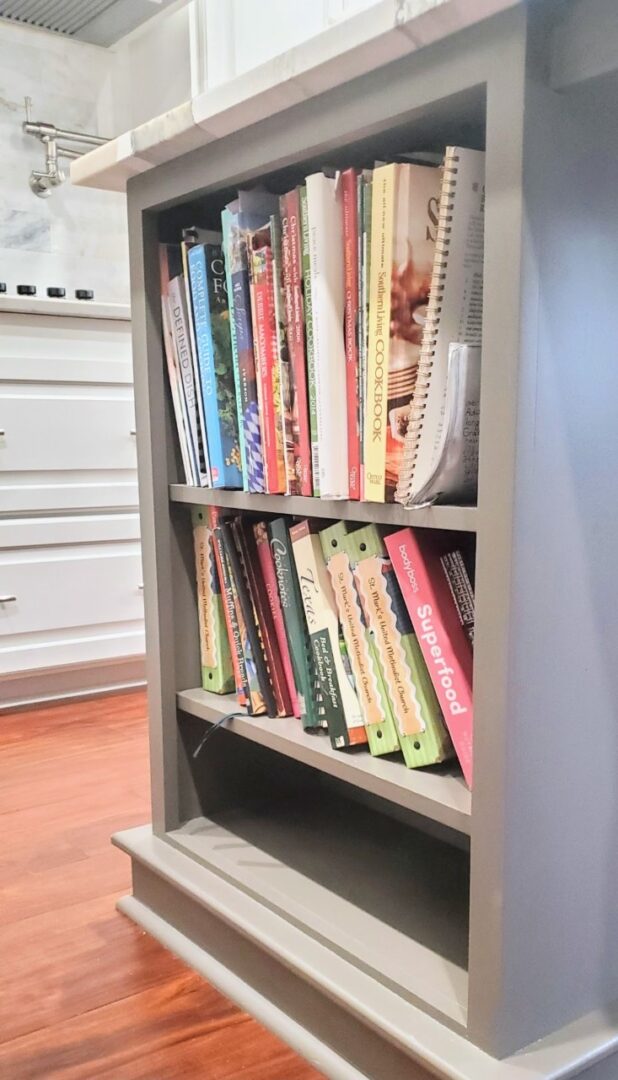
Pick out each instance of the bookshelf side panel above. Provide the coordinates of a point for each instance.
(172, 660)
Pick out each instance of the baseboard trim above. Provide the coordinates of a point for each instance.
(72, 682)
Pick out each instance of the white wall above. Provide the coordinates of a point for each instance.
(153, 67)
(77, 237)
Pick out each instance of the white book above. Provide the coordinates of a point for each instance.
(454, 314)
(180, 331)
(180, 415)
(325, 220)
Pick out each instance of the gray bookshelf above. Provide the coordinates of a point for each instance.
(385, 922)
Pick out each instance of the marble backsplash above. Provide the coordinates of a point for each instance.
(77, 238)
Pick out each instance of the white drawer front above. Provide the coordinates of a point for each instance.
(82, 601)
(47, 427)
(72, 529)
(51, 349)
(66, 409)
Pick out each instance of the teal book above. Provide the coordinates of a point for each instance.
(309, 698)
(211, 320)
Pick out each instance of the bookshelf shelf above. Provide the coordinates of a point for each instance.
(507, 980)
(440, 795)
(460, 518)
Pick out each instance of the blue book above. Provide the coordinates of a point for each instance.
(211, 318)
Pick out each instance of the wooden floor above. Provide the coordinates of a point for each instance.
(83, 992)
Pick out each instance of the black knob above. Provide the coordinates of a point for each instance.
(84, 294)
(2, 286)
(55, 290)
(26, 290)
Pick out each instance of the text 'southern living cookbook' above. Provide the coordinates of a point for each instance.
(403, 232)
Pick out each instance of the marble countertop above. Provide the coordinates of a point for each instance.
(73, 309)
(376, 36)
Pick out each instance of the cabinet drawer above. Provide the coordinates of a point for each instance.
(75, 601)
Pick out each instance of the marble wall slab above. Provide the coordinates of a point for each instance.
(77, 238)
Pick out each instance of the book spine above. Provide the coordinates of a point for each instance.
(287, 390)
(422, 735)
(376, 419)
(178, 403)
(269, 577)
(217, 672)
(295, 322)
(246, 599)
(311, 381)
(265, 338)
(343, 713)
(461, 590)
(295, 626)
(442, 639)
(366, 194)
(214, 356)
(350, 244)
(377, 714)
(229, 222)
(231, 619)
(245, 543)
(250, 645)
(247, 376)
(324, 211)
(178, 322)
(206, 478)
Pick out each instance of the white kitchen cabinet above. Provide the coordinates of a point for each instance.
(71, 602)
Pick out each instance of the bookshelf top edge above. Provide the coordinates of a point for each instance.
(457, 518)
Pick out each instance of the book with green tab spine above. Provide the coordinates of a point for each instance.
(309, 700)
(370, 688)
(340, 702)
(422, 733)
(311, 382)
(216, 659)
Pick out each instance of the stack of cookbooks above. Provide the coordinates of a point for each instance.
(327, 341)
(360, 633)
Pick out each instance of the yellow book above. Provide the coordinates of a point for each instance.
(382, 215)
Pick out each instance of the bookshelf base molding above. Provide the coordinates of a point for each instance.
(328, 1010)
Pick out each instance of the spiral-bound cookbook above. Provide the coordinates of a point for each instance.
(454, 312)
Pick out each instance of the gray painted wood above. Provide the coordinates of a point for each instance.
(544, 863)
(440, 795)
(462, 518)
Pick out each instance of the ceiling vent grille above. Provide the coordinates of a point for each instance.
(63, 16)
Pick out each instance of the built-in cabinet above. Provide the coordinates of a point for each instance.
(71, 605)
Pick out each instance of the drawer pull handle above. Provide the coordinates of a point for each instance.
(7, 599)
(133, 431)
(2, 433)
(141, 586)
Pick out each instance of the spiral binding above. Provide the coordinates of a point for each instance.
(418, 403)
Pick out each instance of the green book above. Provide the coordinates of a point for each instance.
(216, 659)
(311, 386)
(341, 706)
(422, 733)
(309, 700)
(373, 698)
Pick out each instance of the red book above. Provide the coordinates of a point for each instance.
(350, 257)
(269, 575)
(267, 360)
(245, 542)
(415, 556)
(214, 519)
(295, 318)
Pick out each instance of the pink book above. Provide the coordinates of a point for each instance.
(269, 575)
(444, 643)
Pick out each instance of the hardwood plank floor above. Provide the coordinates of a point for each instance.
(84, 993)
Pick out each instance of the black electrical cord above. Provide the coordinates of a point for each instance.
(211, 730)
